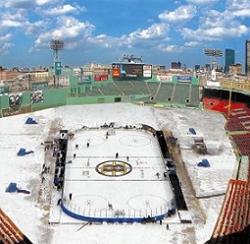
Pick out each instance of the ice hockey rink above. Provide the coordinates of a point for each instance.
(117, 175)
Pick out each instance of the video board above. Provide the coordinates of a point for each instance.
(131, 70)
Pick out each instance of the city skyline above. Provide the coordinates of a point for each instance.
(102, 31)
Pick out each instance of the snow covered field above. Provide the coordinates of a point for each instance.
(32, 219)
(210, 126)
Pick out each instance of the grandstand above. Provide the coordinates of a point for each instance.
(9, 232)
(235, 212)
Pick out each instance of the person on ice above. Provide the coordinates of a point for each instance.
(110, 206)
(116, 155)
(70, 196)
(59, 201)
(87, 144)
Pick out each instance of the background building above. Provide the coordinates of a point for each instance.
(229, 59)
(235, 69)
(175, 65)
(247, 60)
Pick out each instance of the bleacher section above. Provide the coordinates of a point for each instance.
(221, 105)
(195, 96)
(243, 143)
(235, 213)
(110, 89)
(9, 232)
(239, 119)
(165, 93)
(152, 87)
(181, 95)
(93, 92)
(132, 87)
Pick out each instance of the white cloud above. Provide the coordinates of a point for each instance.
(239, 8)
(10, 23)
(64, 9)
(182, 13)
(241, 13)
(154, 31)
(18, 20)
(238, 4)
(214, 33)
(170, 48)
(202, 1)
(5, 38)
(191, 44)
(5, 43)
(25, 4)
(216, 26)
(43, 2)
(70, 29)
(142, 37)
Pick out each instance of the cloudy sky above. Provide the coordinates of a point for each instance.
(102, 30)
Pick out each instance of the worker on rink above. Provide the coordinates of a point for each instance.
(116, 155)
(70, 196)
(110, 206)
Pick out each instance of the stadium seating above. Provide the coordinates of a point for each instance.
(152, 87)
(221, 105)
(195, 96)
(235, 214)
(243, 143)
(9, 232)
(181, 95)
(132, 87)
(165, 93)
(110, 89)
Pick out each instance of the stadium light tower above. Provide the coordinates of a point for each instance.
(56, 46)
(214, 54)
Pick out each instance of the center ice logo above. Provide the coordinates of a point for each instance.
(113, 168)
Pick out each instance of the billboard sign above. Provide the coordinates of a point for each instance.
(147, 71)
(164, 78)
(100, 77)
(58, 68)
(131, 70)
(184, 78)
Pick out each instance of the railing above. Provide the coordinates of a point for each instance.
(113, 215)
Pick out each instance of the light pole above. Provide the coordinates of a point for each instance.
(56, 46)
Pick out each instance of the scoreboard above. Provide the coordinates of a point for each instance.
(131, 70)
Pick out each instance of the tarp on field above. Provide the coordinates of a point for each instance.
(204, 163)
(30, 121)
(23, 152)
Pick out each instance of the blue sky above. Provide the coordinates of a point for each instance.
(101, 31)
